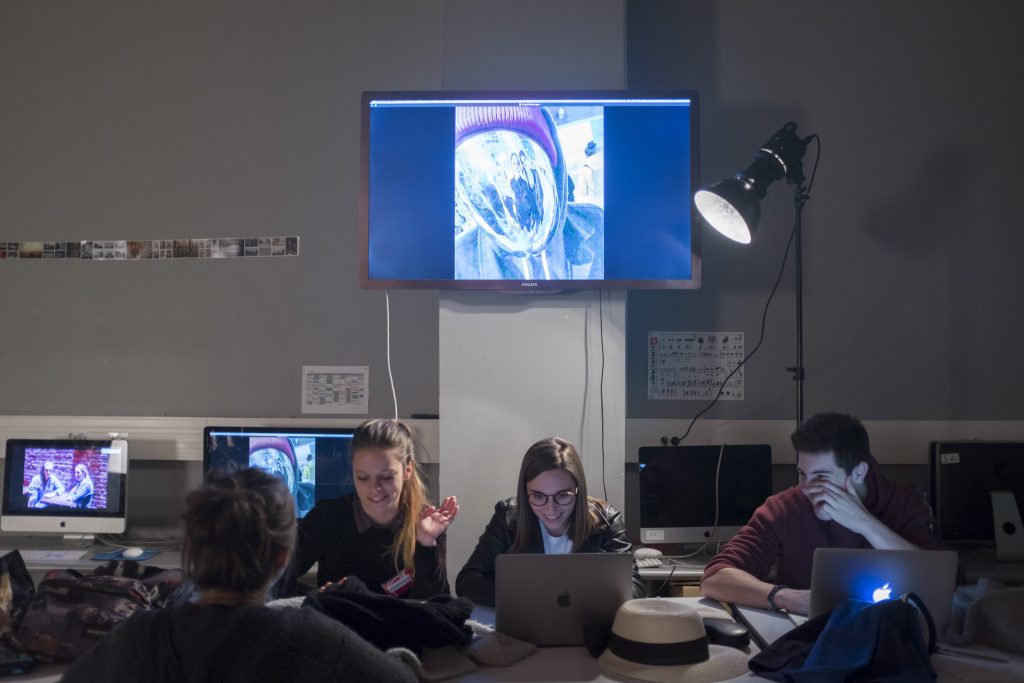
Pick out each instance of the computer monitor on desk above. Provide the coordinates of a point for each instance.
(964, 475)
(313, 462)
(62, 486)
(694, 494)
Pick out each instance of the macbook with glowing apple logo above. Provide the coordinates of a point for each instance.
(876, 575)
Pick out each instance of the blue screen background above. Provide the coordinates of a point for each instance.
(647, 192)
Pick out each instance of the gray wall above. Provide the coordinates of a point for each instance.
(193, 119)
(912, 235)
(198, 119)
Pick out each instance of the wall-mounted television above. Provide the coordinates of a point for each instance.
(529, 191)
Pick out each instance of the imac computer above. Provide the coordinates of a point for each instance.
(313, 462)
(62, 486)
(680, 500)
(964, 475)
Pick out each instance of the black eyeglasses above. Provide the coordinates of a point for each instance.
(563, 498)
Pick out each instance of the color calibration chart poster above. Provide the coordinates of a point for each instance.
(693, 365)
(335, 389)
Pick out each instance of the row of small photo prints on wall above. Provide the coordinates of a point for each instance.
(133, 250)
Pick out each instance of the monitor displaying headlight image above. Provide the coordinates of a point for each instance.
(530, 190)
(313, 462)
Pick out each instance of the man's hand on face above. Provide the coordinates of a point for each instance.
(841, 505)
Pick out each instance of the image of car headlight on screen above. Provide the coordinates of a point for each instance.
(516, 211)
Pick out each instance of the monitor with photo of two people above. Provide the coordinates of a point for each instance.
(528, 191)
(313, 462)
(65, 486)
(698, 494)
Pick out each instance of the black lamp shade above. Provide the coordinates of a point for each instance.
(732, 207)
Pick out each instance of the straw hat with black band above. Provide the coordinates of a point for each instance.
(664, 641)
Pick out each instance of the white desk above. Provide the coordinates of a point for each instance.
(688, 571)
(575, 664)
(569, 663)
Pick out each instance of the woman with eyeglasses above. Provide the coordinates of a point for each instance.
(550, 514)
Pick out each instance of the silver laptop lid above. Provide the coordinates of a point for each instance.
(546, 599)
(874, 575)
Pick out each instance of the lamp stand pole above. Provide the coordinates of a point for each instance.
(799, 199)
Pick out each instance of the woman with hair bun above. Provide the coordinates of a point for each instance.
(386, 533)
(239, 534)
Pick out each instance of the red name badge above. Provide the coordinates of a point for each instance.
(399, 584)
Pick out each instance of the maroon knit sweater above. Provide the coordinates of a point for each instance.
(785, 531)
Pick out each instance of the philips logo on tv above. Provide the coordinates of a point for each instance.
(528, 284)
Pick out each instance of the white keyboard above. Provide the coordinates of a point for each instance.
(648, 562)
(56, 555)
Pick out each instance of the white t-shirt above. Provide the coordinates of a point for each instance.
(555, 545)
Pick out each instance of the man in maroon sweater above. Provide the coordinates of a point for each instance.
(841, 501)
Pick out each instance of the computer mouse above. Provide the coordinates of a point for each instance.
(132, 553)
(722, 631)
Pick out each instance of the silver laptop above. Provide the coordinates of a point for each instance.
(546, 599)
(874, 575)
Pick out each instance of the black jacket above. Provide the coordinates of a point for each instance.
(227, 644)
(476, 579)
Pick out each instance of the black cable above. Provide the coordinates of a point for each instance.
(764, 320)
(665, 582)
(714, 528)
(806, 194)
(600, 309)
(817, 158)
(586, 373)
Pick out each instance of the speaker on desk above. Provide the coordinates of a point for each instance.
(1008, 527)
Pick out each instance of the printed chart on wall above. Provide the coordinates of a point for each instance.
(692, 365)
(335, 389)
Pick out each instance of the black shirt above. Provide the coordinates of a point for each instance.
(228, 643)
(329, 536)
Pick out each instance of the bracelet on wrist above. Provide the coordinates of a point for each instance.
(772, 607)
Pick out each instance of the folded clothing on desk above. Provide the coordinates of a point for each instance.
(989, 612)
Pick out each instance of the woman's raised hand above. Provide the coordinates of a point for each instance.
(434, 520)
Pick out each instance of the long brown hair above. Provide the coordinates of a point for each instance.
(553, 454)
(396, 438)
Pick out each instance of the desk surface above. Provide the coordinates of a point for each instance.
(575, 664)
(676, 570)
(569, 663)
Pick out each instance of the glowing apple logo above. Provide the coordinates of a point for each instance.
(881, 593)
(564, 600)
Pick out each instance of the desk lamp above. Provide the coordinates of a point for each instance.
(733, 208)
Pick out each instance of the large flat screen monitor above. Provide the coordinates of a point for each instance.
(65, 486)
(677, 489)
(963, 476)
(313, 462)
(529, 191)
